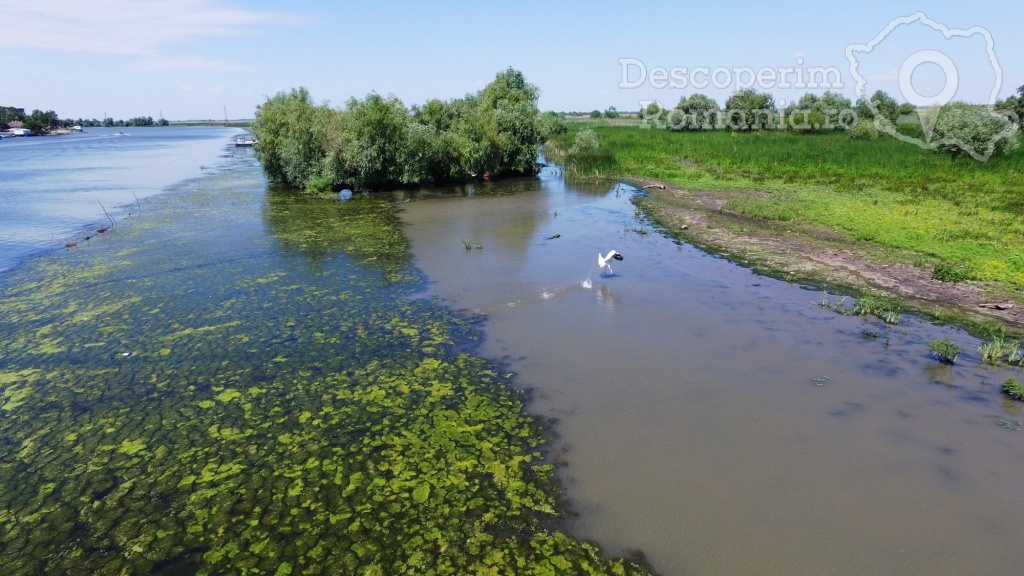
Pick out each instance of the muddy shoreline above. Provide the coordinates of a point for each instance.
(823, 256)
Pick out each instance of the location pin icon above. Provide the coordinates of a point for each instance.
(928, 107)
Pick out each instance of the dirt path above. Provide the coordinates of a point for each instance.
(824, 256)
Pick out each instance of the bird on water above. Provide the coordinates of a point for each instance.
(605, 261)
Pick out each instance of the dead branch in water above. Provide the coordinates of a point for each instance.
(107, 214)
(137, 204)
(658, 186)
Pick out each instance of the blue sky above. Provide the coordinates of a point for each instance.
(189, 59)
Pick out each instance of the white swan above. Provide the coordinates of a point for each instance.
(605, 261)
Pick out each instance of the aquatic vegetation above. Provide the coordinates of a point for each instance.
(945, 350)
(272, 404)
(364, 229)
(998, 349)
(887, 309)
(838, 304)
(1013, 388)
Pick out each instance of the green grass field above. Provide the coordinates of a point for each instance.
(962, 217)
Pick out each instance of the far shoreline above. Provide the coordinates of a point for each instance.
(245, 124)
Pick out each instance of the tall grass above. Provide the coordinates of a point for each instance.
(958, 212)
(997, 349)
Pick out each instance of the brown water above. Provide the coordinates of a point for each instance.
(722, 422)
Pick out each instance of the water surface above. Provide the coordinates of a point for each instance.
(53, 186)
(239, 381)
(165, 388)
(722, 422)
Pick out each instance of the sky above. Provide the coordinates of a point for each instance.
(197, 59)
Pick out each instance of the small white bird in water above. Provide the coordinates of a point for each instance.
(605, 261)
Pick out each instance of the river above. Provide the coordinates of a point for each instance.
(178, 373)
(55, 188)
(719, 421)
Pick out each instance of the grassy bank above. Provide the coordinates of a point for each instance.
(958, 220)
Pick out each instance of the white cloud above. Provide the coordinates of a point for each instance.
(139, 27)
(218, 89)
(187, 88)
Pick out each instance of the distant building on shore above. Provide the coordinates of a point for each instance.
(17, 128)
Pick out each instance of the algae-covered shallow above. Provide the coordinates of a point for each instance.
(238, 382)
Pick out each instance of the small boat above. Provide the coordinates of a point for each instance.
(244, 142)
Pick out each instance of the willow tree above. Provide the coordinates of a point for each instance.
(289, 130)
(377, 143)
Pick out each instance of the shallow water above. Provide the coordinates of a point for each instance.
(53, 186)
(719, 421)
(239, 380)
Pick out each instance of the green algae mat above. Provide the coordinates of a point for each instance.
(238, 382)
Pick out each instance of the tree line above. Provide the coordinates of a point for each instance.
(379, 143)
(40, 121)
(957, 124)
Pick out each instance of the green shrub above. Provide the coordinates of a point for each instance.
(975, 130)
(949, 272)
(319, 185)
(432, 157)
(611, 112)
(550, 124)
(1012, 388)
(945, 350)
(814, 114)
(381, 129)
(585, 157)
(1013, 107)
(696, 112)
(864, 129)
(750, 110)
(595, 114)
(808, 122)
(882, 108)
(584, 143)
(290, 129)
